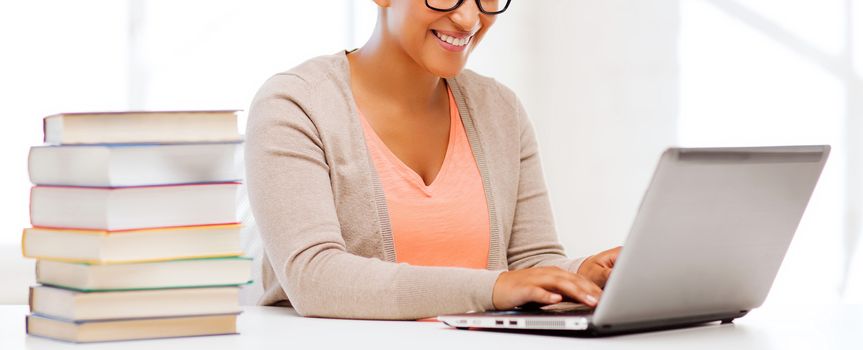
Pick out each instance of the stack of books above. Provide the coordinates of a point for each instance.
(135, 226)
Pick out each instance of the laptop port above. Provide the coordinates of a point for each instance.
(513, 323)
(498, 322)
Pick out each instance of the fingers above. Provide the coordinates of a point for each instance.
(573, 286)
(613, 254)
(587, 292)
(545, 285)
(606, 274)
(598, 267)
(541, 295)
(608, 257)
(518, 287)
(600, 276)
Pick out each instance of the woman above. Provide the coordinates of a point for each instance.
(389, 183)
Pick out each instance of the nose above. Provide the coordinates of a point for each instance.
(466, 17)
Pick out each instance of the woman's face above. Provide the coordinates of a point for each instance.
(440, 42)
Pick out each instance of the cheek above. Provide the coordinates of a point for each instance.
(414, 35)
(409, 23)
(487, 21)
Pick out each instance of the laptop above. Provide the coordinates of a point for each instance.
(705, 246)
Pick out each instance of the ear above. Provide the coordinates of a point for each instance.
(382, 3)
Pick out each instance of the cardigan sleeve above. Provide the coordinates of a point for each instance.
(292, 200)
(533, 240)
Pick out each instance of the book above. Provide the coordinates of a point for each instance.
(112, 247)
(125, 165)
(129, 208)
(148, 328)
(151, 275)
(70, 305)
(141, 127)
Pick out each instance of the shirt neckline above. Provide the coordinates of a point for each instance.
(406, 171)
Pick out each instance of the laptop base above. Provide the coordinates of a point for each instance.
(591, 330)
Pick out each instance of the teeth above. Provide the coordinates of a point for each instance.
(453, 41)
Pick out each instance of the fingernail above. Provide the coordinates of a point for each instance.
(590, 299)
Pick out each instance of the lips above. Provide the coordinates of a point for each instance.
(454, 39)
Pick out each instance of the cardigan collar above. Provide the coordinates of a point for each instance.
(462, 99)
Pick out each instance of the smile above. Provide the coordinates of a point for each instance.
(457, 42)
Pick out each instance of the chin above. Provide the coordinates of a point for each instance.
(446, 70)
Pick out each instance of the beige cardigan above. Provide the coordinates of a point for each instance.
(322, 215)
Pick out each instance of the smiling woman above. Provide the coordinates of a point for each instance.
(389, 182)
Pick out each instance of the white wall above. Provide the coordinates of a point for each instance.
(599, 80)
(771, 72)
(84, 56)
(54, 56)
(607, 83)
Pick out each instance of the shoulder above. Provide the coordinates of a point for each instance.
(482, 89)
(313, 98)
(310, 79)
(492, 103)
(315, 94)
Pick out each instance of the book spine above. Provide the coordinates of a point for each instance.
(109, 230)
(24, 242)
(30, 205)
(30, 159)
(44, 129)
(110, 188)
(30, 299)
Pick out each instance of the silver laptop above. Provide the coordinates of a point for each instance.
(706, 244)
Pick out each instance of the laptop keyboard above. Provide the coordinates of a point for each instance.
(559, 309)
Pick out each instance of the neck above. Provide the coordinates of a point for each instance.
(383, 70)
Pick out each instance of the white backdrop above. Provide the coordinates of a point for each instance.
(635, 77)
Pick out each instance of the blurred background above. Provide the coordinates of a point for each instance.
(635, 76)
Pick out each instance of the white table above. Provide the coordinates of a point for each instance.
(831, 327)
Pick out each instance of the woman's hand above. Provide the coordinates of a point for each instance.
(544, 285)
(598, 267)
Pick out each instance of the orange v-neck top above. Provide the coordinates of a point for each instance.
(445, 223)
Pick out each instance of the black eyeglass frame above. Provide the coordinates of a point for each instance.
(478, 5)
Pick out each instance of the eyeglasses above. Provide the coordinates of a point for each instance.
(489, 7)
